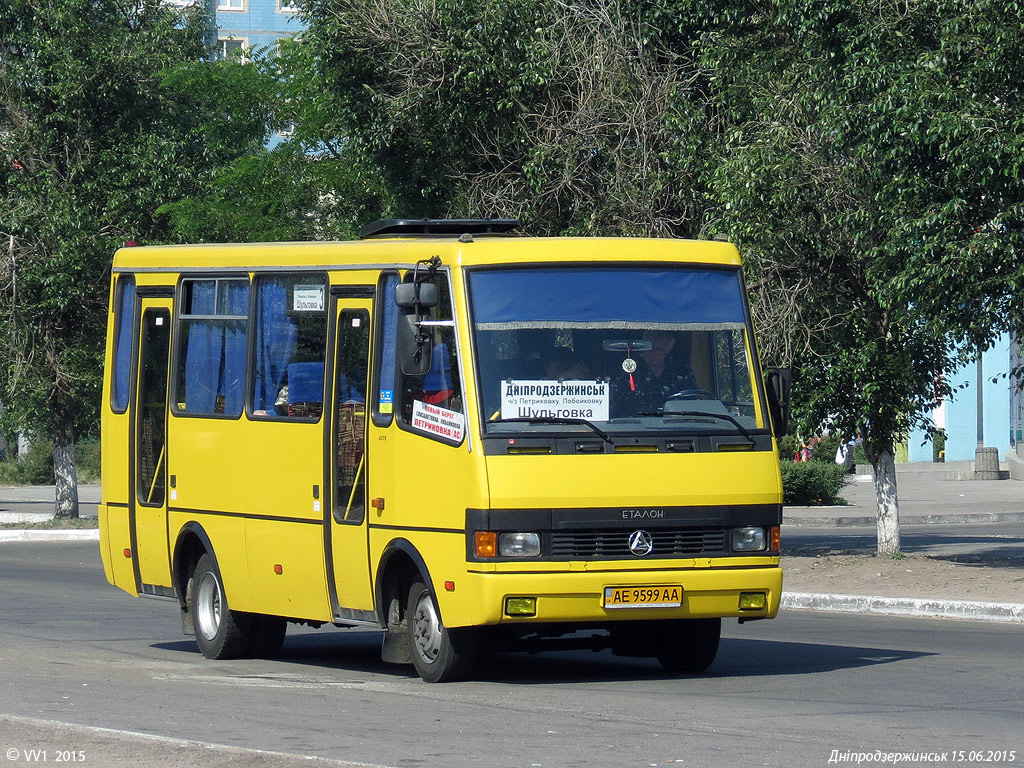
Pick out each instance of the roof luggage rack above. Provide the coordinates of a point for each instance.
(437, 227)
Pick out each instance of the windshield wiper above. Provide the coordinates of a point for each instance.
(725, 416)
(557, 420)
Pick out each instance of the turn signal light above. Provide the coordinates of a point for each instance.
(486, 543)
(774, 539)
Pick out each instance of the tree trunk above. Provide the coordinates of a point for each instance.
(64, 472)
(884, 465)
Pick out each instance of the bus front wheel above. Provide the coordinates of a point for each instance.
(439, 654)
(688, 645)
(220, 633)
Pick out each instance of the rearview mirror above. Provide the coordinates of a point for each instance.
(636, 345)
(416, 295)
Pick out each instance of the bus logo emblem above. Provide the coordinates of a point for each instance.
(640, 543)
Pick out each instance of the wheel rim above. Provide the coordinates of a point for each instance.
(426, 629)
(208, 605)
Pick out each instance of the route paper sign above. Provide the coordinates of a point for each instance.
(308, 298)
(555, 400)
(437, 421)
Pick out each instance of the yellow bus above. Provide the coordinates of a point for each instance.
(466, 438)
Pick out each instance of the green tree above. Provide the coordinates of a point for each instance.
(91, 142)
(873, 173)
(309, 186)
(575, 117)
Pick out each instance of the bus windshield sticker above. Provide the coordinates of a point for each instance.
(436, 420)
(308, 298)
(540, 399)
(387, 400)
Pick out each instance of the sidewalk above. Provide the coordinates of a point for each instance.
(970, 572)
(928, 494)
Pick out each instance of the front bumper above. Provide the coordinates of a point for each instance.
(577, 596)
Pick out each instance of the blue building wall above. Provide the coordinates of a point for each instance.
(258, 23)
(962, 406)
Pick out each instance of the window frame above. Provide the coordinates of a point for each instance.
(120, 317)
(458, 368)
(179, 336)
(257, 279)
(754, 370)
(378, 342)
(338, 511)
(222, 54)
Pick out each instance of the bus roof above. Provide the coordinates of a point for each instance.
(405, 251)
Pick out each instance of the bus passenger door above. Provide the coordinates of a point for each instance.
(148, 452)
(345, 519)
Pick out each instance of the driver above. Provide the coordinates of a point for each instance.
(659, 374)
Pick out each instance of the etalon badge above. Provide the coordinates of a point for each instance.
(640, 543)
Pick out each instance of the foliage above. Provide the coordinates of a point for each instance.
(34, 468)
(306, 187)
(874, 156)
(93, 137)
(826, 448)
(812, 483)
(580, 120)
(87, 460)
(939, 445)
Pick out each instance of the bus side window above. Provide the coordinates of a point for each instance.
(211, 346)
(387, 330)
(290, 345)
(124, 318)
(432, 403)
(350, 406)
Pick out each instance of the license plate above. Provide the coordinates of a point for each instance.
(670, 596)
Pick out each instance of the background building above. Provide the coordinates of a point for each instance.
(254, 25)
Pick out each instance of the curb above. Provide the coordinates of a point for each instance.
(56, 534)
(905, 606)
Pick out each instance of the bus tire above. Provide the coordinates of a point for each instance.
(220, 633)
(439, 654)
(689, 645)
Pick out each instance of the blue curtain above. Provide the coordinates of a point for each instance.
(215, 349)
(202, 366)
(202, 351)
(275, 340)
(233, 377)
(605, 297)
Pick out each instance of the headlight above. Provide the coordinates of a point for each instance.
(518, 544)
(748, 539)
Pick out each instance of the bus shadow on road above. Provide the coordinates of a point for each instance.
(736, 658)
(359, 652)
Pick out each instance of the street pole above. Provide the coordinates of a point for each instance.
(986, 460)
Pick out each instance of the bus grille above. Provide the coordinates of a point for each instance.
(614, 543)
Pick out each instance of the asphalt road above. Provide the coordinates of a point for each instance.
(788, 692)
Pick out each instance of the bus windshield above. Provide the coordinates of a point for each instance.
(619, 348)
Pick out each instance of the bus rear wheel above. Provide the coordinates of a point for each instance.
(220, 633)
(439, 654)
(688, 645)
